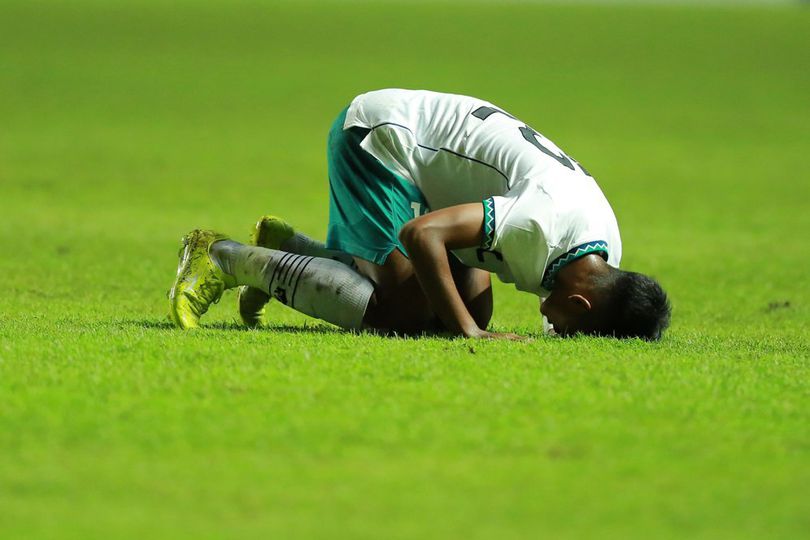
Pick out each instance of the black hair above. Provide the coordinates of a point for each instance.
(635, 306)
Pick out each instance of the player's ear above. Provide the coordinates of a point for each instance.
(580, 302)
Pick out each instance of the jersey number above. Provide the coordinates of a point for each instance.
(417, 209)
(530, 135)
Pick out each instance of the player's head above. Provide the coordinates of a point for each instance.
(611, 303)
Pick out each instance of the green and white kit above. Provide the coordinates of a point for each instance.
(394, 154)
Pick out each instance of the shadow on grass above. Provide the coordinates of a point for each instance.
(153, 324)
(233, 326)
(321, 329)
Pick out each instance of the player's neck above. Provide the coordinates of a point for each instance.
(581, 272)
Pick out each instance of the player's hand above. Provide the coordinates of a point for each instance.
(507, 336)
(483, 334)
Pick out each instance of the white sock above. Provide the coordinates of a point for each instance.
(304, 245)
(315, 286)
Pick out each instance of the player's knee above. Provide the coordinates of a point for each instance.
(392, 313)
(371, 316)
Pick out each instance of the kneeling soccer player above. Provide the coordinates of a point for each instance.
(429, 194)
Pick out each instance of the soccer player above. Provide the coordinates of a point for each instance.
(429, 194)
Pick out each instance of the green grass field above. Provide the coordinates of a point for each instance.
(125, 124)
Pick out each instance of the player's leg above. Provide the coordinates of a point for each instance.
(274, 233)
(319, 287)
(400, 305)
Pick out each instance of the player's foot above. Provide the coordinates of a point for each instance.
(199, 283)
(269, 232)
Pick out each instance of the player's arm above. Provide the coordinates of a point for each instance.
(427, 240)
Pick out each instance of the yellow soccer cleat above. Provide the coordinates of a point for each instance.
(199, 283)
(269, 232)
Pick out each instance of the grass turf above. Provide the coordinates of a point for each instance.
(123, 125)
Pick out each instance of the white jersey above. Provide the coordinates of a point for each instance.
(541, 208)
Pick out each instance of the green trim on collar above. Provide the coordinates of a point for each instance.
(597, 246)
